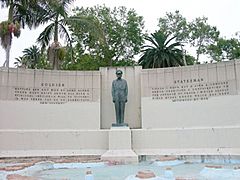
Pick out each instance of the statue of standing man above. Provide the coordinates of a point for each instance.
(119, 95)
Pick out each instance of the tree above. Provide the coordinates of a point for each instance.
(123, 33)
(174, 24)
(32, 55)
(32, 58)
(162, 52)
(84, 61)
(56, 12)
(198, 33)
(20, 13)
(190, 60)
(9, 28)
(224, 49)
(202, 35)
(20, 62)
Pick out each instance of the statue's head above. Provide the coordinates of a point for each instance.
(119, 74)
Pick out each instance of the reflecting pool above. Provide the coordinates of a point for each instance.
(105, 171)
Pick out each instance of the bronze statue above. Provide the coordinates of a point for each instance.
(119, 95)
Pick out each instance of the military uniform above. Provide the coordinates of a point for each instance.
(119, 94)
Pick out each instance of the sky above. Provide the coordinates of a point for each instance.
(224, 14)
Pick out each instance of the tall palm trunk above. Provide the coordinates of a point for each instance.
(7, 47)
(8, 38)
(53, 54)
(8, 55)
(56, 30)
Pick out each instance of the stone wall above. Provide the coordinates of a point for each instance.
(28, 143)
(190, 110)
(187, 141)
(43, 99)
(194, 96)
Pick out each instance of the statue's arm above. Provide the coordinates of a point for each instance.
(126, 91)
(113, 91)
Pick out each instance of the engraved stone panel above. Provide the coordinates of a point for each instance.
(48, 99)
(46, 88)
(199, 96)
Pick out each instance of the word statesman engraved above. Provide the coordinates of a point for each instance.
(119, 95)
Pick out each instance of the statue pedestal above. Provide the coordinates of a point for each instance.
(120, 147)
(119, 125)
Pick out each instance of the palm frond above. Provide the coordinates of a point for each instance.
(150, 39)
(174, 37)
(160, 53)
(174, 45)
(64, 33)
(45, 36)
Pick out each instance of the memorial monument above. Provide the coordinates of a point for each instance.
(119, 95)
(190, 110)
(119, 136)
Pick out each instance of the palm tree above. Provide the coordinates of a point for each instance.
(32, 55)
(20, 62)
(18, 15)
(162, 52)
(56, 12)
(32, 58)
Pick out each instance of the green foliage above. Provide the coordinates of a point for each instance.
(162, 52)
(61, 53)
(7, 30)
(174, 24)
(198, 33)
(56, 12)
(4, 28)
(122, 30)
(20, 12)
(125, 62)
(32, 58)
(190, 60)
(83, 61)
(87, 62)
(202, 35)
(224, 49)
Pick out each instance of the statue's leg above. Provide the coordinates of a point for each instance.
(117, 110)
(122, 109)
